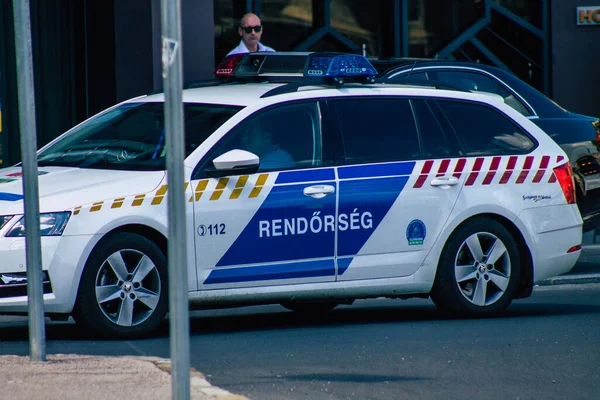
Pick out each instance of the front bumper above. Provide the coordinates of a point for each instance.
(63, 259)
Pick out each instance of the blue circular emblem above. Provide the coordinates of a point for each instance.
(415, 232)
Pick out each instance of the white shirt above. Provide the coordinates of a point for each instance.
(241, 48)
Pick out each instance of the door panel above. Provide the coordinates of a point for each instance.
(276, 226)
(393, 206)
(271, 233)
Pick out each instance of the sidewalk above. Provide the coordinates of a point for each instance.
(67, 377)
(70, 377)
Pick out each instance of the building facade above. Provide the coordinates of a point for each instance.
(91, 54)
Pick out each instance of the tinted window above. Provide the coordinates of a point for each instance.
(512, 100)
(484, 131)
(435, 141)
(285, 137)
(132, 137)
(376, 130)
(468, 81)
(477, 82)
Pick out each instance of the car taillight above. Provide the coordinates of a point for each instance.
(227, 66)
(564, 175)
(596, 125)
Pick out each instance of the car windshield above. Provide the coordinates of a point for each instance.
(132, 137)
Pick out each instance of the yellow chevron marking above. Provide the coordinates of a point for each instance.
(262, 179)
(138, 200)
(219, 189)
(159, 196)
(117, 203)
(76, 210)
(239, 186)
(200, 187)
(157, 200)
(96, 206)
(222, 183)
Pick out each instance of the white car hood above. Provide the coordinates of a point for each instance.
(62, 188)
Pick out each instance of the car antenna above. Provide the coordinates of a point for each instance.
(411, 70)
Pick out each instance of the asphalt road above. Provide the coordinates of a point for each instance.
(544, 347)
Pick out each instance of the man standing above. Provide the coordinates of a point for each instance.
(250, 30)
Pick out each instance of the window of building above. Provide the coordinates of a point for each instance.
(432, 24)
(376, 130)
(286, 23)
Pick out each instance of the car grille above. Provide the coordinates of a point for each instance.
(15, 284)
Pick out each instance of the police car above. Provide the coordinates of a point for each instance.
(308, 194)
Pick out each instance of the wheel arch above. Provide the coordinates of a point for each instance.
(525, 286)
(145, 231)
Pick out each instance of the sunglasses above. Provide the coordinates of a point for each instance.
(249, 29)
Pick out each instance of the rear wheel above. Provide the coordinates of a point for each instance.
(123, 289)
(479, 269)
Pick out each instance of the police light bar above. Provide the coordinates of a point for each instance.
(272, 64)
(228, 65)
(339, 66)
(261, 65)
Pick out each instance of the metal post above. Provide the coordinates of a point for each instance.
(178, 280)
(33, 253)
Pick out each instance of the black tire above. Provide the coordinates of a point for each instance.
(467, 286)
(310, 308)
(134, 300)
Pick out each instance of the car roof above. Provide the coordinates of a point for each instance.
(543, 106)
(245, 94)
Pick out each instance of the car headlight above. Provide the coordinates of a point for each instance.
(4, 219)
(51, 224)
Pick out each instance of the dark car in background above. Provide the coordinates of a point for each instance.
(578, 135)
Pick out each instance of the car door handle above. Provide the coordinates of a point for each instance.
(444, 182)
(319, 191)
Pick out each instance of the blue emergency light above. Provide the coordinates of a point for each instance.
(339, 66)
(292, 66)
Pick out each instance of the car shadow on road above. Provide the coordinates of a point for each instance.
(264, 318)
(348, 315)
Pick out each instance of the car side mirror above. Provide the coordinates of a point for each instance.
(234, 162)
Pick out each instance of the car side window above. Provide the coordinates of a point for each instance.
(484, 131)
(283, 137)
(469, 81)
(376, 129)
(511, 100)
(478, 82)
(436, 141)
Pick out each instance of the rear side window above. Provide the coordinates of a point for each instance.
(376, 130)
(437, 141)
(484, 131)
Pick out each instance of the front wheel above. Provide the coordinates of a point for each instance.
(123, 289)
(479, 269)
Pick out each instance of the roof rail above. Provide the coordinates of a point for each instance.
(326, 82)
(437, 84)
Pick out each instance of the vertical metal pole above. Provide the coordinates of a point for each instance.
(397, 35)
(546, 66)
(33, 253)
(404, 26)
(178, 279)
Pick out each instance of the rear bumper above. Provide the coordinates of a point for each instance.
(555, 230)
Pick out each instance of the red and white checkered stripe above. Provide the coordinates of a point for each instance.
(532, 167)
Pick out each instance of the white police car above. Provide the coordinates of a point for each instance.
(304, 194)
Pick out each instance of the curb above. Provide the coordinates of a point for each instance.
(569, 280)
(198, 382)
